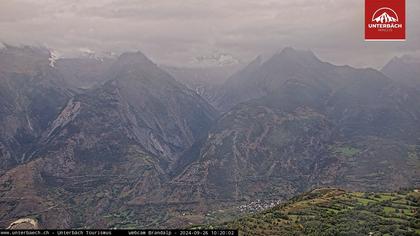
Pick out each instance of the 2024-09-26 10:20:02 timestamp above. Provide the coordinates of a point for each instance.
(209, 233)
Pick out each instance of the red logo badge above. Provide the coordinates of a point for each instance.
(385, 20)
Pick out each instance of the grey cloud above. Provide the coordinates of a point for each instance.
(175, 32)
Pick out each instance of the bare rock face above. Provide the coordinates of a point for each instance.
(24, 223)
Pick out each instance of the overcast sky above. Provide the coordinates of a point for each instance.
(177, 32)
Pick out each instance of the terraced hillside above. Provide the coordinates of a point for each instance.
(331, 211)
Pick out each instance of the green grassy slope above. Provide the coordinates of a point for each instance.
(336, 212)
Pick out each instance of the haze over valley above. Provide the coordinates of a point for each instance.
(280, 142)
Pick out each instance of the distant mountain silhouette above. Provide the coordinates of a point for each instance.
(404, 70)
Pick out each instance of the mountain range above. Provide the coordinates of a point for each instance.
(294, 122)
(122, 142)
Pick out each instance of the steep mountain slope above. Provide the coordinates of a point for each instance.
(174, 113)
(31, 96)
(336, 212)
(206, 81)
(317, 125)
(105, 147)
(405, 69)
(83, 72)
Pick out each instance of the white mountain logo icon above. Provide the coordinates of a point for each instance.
(388, 16)
(385, 18)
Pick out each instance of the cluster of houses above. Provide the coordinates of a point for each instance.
(257, 206)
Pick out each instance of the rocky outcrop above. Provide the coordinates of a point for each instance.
(24, 223)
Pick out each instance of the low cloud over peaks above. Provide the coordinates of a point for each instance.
(179, 32)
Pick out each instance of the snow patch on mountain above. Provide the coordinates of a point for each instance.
(54, 56)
